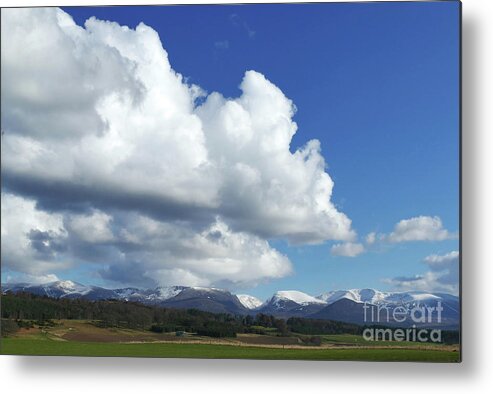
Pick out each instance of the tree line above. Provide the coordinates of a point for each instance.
(21, 309)
(116, 313)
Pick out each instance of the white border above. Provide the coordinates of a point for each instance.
(139, 376)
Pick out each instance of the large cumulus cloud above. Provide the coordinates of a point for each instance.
(104, 137)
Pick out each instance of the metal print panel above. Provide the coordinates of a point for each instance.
(267, 181)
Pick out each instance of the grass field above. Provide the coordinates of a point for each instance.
(348, 339)
(21, 346)
(82, 338)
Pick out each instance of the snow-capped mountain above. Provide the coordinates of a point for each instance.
(419, 298)
(57, 289)
(368, 306)
(349, 305)
(376, 297)
(249, 302)
(342, 305)
(68, 286)
(357, 295)
(294, 296)
(207, 299)
(70, 289)
(149, 296)
(291, 303)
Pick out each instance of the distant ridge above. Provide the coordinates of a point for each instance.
(341, 305)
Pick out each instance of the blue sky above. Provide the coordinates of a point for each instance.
(375, 83)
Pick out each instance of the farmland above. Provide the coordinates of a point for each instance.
(82, 338)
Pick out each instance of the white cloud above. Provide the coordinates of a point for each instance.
(439, 262)
(34, 279)
(371, 238)
(94, 228)
(421, 228)
(32, 240)
(266, 189)
(443, 276)
(175, 254)
(447, 267)
(48, 99)
(111, 124)
(429, 281)
(132, 248)
(111, 162)
(348, 249)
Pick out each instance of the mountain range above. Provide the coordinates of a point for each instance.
(343, 305)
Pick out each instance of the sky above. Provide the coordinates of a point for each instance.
(257, 148)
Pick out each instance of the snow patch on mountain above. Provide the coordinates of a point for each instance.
(357, 295)
(165, 293)
(66, 287)
(376, 297)
(248, 301)
(296, 296)
(128, 293)
(208, 289)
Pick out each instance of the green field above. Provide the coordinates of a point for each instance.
(59, 348)
(347, 339)
(84, 338)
